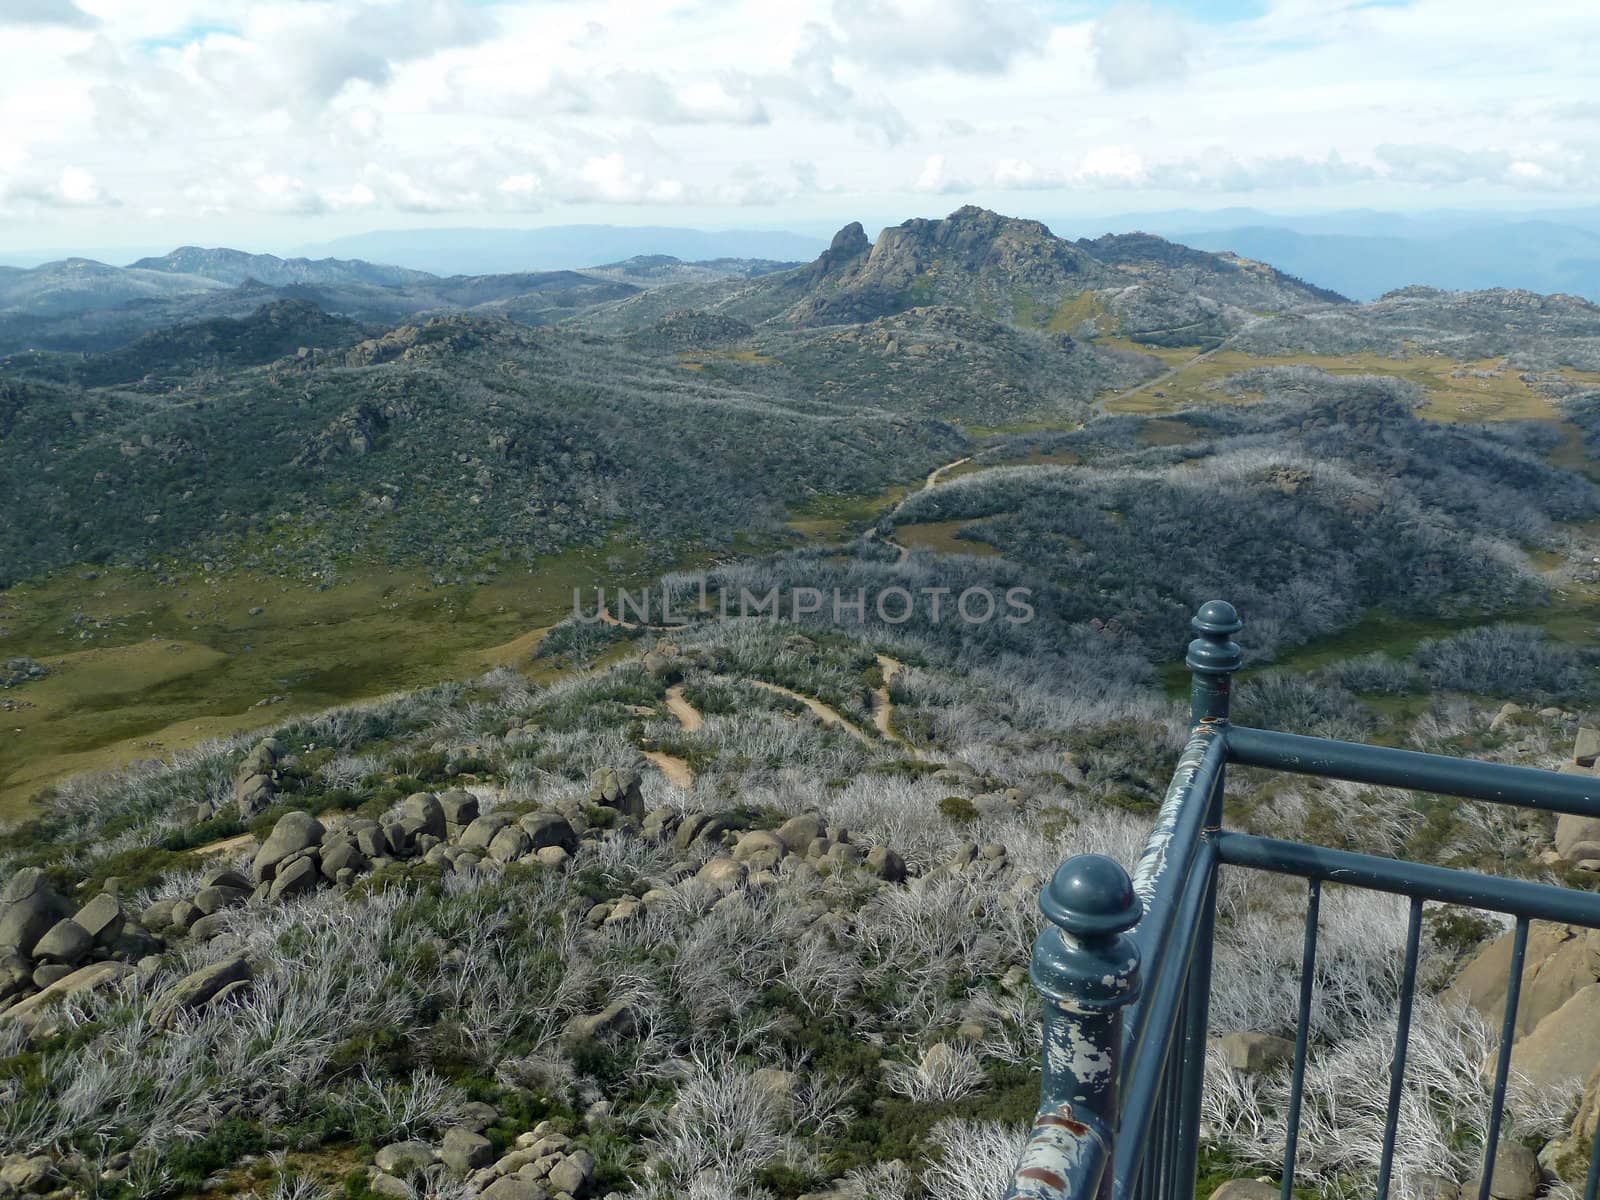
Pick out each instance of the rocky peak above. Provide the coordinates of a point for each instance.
(850, 241)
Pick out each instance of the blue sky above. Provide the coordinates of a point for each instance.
(272, 123)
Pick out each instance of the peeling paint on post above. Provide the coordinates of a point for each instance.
(1187, 790)
(1087, 969)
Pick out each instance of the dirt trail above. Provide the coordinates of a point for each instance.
(607, 618)
(882, 706)
(674, 768)
(883, 710)
(688, 716)
(828, 714)
(225, 846)
(904, 552)
(938, 472)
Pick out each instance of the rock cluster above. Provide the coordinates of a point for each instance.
(48, 949)
(543, 1164)
(1578, 838)
(256, 783)
(618, 789)
(444, 830)
(1558, 1013)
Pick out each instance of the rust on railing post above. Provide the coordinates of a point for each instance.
(1087, 969)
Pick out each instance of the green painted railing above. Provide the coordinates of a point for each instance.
(1124, 962)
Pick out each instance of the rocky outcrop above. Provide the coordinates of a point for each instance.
(34, 1011)
(1558, 1010)
(617, 788)
(542, 1164)
(295, 833)
(194, 992)
(1516, 1176)
(972, 257)
(1254, 1053)
(29, 906)
(1577, 838)
(256, 782)
(45, 953)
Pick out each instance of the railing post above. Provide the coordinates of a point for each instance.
(1212, 659)
(1087, 969)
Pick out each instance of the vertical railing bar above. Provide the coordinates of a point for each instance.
(1502, 1070)
(1143, 1083)
(1159, 1156)
(1175, 1090)
(1302, 1036)
(1397, 1070)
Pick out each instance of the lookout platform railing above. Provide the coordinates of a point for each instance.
(1124, 963)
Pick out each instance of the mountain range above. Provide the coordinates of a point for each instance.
(447, 419)
(559, 247)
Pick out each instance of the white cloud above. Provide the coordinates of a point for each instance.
(72, 187)
(982, 37)
(291, 118)
(932, 178)
(1544, 167)
(1135, 44)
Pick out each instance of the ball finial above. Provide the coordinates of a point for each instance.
(1091, 896)
(1214, 653)
(1217, 618)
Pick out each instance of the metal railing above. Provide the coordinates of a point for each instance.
(1124, 963)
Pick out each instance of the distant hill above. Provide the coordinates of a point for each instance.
(560, 247)
(236, 266)
(80, 284)
(273, 331)
(1533, 255)
(448, 441)
(1003, 268)
(98, 308)
(660, 270)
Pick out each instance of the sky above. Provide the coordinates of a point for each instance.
(266, 124)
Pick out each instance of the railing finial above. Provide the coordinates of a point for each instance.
(1212, 659)
(1087, 968)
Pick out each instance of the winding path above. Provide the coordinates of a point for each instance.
(882, 706)
(688, 715)
(934, 476)
(1101, 406)
(826, 713)
(674, 768)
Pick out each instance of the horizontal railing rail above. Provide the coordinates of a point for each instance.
(1384, 766)
(1515, 897)
(1124, 963)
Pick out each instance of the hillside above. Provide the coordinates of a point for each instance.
(78, 285)
(276, 330)
(95, 309)
(454, 442)
(236, 266)
(744, 915)
(1008, 270)
(310, 438)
